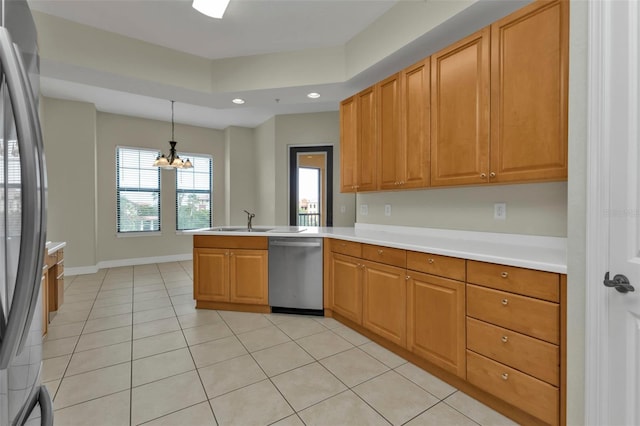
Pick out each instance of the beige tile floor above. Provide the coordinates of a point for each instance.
(128, 347)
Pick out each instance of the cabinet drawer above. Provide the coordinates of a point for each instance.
(539, 284)
(386, 255)
(526, 315)
(346, 247)
(60, 255)
(532, 356)
(443, 266)
(230, 242)
(60, 270)
(531, 395)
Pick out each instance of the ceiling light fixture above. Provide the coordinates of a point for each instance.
(212, 8)
(172, 161)
(313, 95)
(238, 101)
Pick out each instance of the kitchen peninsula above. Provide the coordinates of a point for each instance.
(485, 312)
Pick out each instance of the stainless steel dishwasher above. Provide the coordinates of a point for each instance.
(295, 275)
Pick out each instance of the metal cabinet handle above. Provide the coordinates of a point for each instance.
(430, 261)
(483, 176)
(505, 302)
(407, 278)
(504, 274)
(492, 175)
(505, 376)
(504, 339)
(380, 251)
(31, 252)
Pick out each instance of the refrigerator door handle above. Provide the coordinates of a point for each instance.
(31, 251)
(40, 396)
(42, 184)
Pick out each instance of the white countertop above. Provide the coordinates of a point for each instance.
(526, 251)
(54, 246)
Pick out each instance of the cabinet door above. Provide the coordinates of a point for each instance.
(347, 287)
(529, 80)
(211, 274)
(348, 145)
(436, 321)
(390, 147)
(460, 112)
(416, 127)
(248, 277)
(367, 141)
(385, 301)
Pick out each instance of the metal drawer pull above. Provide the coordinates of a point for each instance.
(431, 261)
(505, 302)
(504, 274)
(504, 339)
(379, 251)
(505, 376)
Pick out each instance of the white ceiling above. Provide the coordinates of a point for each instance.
(249, 27)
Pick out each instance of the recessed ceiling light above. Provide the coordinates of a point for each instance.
(313, 95)
(238, 101)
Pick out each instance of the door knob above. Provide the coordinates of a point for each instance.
(619, 282)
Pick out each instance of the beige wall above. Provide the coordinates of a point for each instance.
(536, 209)
(117, 130)
(240, 192)
(577, 205)
(69, 133)
(265, 135)
(309, 129)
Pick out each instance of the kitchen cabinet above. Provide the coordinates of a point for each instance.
(231, 273)
(460, 112)
(515, 341)
(436, 321)
(391, 150)
(384, 299)
(358, 142)
(529, 79)
(346, 285)
(415, 140)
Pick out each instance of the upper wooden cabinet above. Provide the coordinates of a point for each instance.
(404, 128)
(491, 108)
(358, 146)
(460, 112)
(529, 78)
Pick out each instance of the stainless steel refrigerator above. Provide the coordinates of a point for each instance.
(22, 222)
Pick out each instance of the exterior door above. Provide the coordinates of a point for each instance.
(613, 317)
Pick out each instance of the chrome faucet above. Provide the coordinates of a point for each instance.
(250, 216)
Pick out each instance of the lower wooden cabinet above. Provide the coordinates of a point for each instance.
(436, 321)
(231, 275)
(384, 301)
(346, 292)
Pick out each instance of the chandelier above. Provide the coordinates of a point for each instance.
(173, 160)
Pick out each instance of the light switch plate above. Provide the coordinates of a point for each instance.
(364, 209)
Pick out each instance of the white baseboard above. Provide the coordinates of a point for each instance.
(81, 270)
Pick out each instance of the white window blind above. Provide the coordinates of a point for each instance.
(138, 190)
(193, 193)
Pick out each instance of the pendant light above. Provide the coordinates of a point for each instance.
(172, 161)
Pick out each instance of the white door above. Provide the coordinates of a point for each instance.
(619, 366)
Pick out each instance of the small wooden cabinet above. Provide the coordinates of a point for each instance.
(348, 145)
(391, 150)
(367, 154)
(529, 80)
(231, 273)
(347, 286)
(460, 112)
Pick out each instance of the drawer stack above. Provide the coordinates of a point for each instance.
(513, 336)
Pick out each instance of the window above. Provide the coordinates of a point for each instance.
(193, 193)
(138, 190)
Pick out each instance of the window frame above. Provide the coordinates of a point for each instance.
(191, 156)
(119, 232)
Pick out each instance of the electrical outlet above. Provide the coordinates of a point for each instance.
(500, 211)
(387, 209)
(364, 209)
(343, 209)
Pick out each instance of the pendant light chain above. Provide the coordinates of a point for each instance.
(173, 138)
